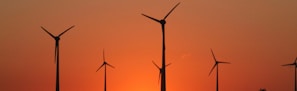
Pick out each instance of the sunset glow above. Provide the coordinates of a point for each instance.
(256, 37)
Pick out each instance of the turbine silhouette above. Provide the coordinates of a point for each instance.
(163, 22)
(216, 65)
(262, 89)
(293, 64)
(104, 64)
(57, 39)
(160, 69)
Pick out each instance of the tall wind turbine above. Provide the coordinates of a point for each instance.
(293, 64)
(104, 64)
(163, 22)
(57, 38)
(216, 65)
(160, 69)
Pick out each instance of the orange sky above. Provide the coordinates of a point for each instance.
(255, 36)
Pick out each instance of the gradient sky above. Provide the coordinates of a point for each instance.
(256, 36)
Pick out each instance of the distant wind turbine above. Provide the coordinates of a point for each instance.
(57, 38)
(262, 89)
(104, 64)
(160, 69)
(163, 22)
(216, 65)
(295, 65)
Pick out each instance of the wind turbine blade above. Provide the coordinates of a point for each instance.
(156, 65)
(171, 11)
(47, 32)
(56, 53)
(151, 18)
(213, 55)
(66, 31)
(110, 65)
(103, 56)
(212, 68)
(159, 76)
(100, 67)
(288, 64)
(224, 62)
(168, 64)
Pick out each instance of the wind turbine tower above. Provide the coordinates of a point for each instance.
(163, 22)
(216, 65)
(104, 64)
(57, 39)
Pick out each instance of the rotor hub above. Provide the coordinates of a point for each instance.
(163, 22)
(57, 38)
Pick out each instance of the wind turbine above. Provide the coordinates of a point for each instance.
(163, 22)
(293, 64)
(262, 89)
(160, 69)
(216, 65)
(104, 64)
(57, 38)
